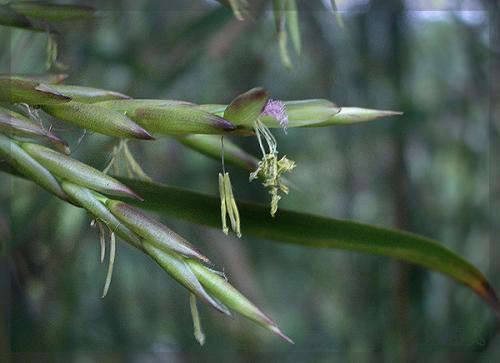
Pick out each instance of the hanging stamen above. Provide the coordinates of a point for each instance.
(198, 331)
(227, 201)
(269, 167)
(223, 211)
(112, 252)
(102, 240)
(231, 206)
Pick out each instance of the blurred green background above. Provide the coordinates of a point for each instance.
(427, 171)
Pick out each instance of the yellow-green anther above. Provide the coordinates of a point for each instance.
(231, 206)
(223, 210)
(198, 331)
(112, 253)
(77, 172)
(270, 169)
(102, 239)
(228, 205)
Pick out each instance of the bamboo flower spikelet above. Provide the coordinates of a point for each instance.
(116, 115)
(107, 171)
(28, 102)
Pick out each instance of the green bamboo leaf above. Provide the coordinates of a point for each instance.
(97, 118)
(152, 231)
(220, 288)
(47, 11)
(247, 107)
(9, 17)
(14, 90)
(315, 231)
(29, 167)
(15, 124)
(87, 94)
(77, 172)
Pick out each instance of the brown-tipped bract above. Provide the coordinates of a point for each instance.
(170, 117)
(99, 119)
(152, 231)
(180, 120)
(77, 172)
(15, 124)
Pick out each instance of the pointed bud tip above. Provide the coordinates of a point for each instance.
(279, 333)
(143, 134)
(224, 124)
(131, 194)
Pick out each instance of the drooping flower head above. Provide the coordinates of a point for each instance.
(277, 110)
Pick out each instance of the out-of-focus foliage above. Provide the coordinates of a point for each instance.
(427, 172)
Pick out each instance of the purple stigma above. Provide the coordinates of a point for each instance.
(277, 110)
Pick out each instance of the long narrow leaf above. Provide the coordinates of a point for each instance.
(315, 231)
